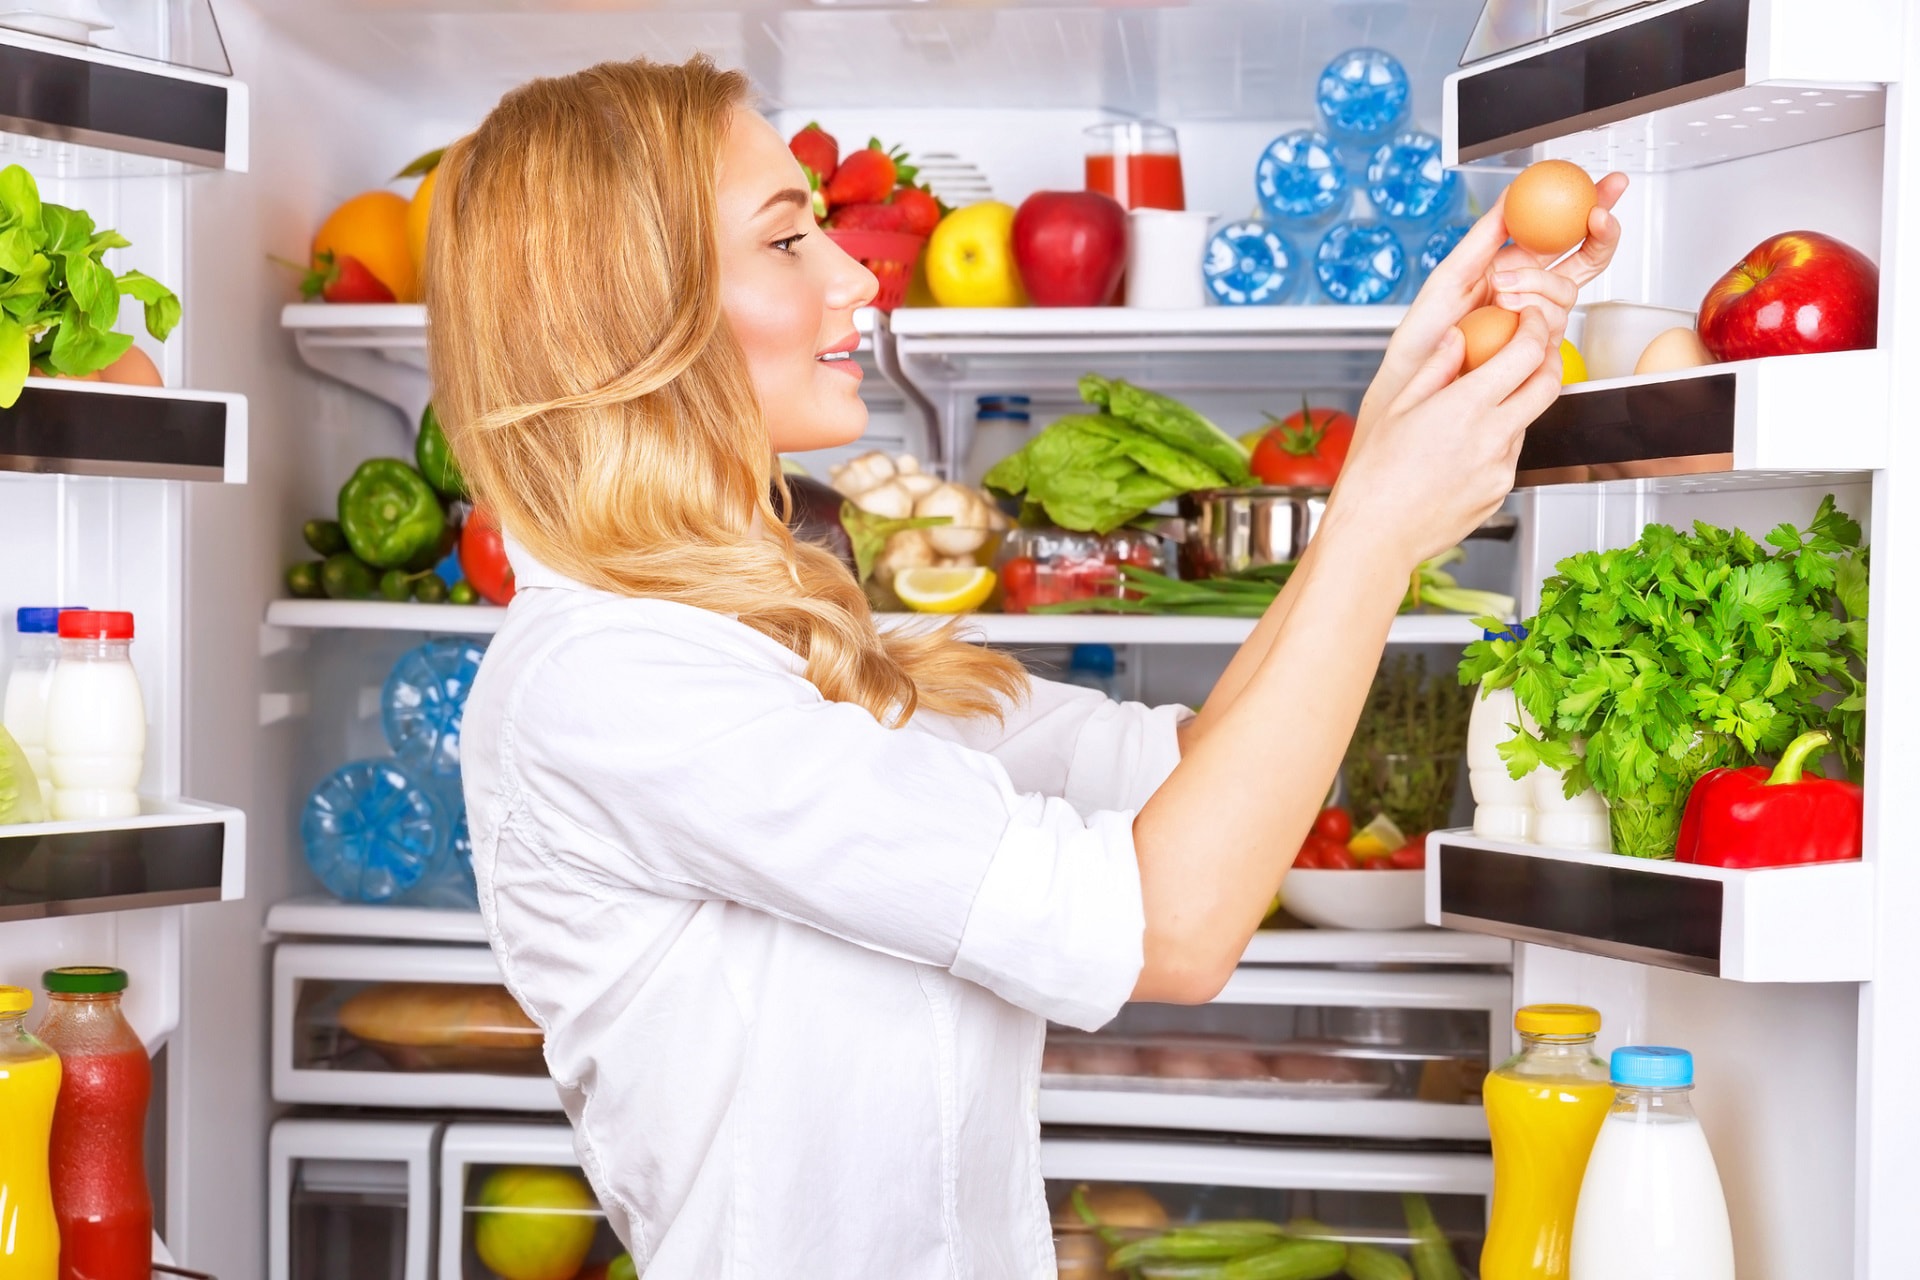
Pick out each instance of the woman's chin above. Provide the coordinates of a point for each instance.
(823, 429)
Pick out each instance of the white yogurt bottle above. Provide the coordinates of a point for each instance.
(28, 682)
(1502, 804)
(1579, 823)
(96, 719)
(1651, 1206)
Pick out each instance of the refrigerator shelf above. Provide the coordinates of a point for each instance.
(85, 111)
(325, 917)
(1778, 924)
(988, 628)
(1252, 1164)
(65, 427)
(1403, 946)
(1747, 418)
(176, 852)
(1320, 1117)
(1678, 85)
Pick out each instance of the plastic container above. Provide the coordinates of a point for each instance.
(28, 682)
(1001, 425)
(1302, 180)
(1250, 264)
(1094, 666)
(1137, 162)
(1579, 823)
(29, 1085)
(1614, 334)
(890, 255)
(1042, 566)
(1165, 250)
(1651, 1205)
(96, 719)
(1360, 264)
(99, 1171)
(1363, 96)
(1410, 186)
(1544, 1106)
(373, 829)
(423, 700)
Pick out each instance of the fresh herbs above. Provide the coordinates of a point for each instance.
(1405, 754)
(1248, 593)
(1096, 471)
(1683, 652)
(58, 300)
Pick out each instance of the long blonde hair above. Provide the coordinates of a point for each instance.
(597, 401)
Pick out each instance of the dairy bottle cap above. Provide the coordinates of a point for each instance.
(1557, 1020)
(1652, 1067)
(92, 624)
(42, 620)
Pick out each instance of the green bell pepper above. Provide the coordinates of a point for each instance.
(389, 513)
(435, 456)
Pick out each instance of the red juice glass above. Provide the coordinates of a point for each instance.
(1137, 162)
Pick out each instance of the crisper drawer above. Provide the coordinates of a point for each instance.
(513, 1202)
(351, 1199)
(402, 1026)
(1312, 1052)
(1142, 1188)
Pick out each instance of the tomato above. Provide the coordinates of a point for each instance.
(1323, 853)
(1335, 823)
(1305, 448)
(1017, 584)
(483, 558)
(1411, 856)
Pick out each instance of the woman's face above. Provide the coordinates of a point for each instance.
(789, 293)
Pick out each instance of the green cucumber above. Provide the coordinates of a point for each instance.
(1366, 1262)
(1292, 1260)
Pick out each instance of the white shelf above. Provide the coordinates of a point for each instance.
(176, 852)
(324, 917)
(1106, 1159)
(999, 328)
(989, 628)
(61, 426)
(1737, 78)
(1403, 946)
(1396, 1119)
(1747, 417)
(1777, 924)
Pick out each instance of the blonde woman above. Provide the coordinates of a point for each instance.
(794, 899)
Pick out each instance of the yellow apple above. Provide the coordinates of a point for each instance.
(970, 258)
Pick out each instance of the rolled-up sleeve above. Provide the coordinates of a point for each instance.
(688, 772)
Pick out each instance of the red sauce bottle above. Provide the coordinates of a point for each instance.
(100, 1196)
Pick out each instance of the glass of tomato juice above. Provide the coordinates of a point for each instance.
(1137, 162)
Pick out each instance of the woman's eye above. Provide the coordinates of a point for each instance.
(786, 245)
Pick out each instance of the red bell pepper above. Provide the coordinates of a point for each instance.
(1756, 817)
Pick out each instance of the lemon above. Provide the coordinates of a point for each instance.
(1377, 839)
(943, 590)
(418, 210)
(1573, 366)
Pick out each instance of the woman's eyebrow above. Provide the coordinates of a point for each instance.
(792, 195)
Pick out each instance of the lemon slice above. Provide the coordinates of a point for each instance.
(943, 590)
(1573, 366)
(1377, 839)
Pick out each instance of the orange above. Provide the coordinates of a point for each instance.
(372, 227)
(418, 210)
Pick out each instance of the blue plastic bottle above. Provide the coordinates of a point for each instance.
(1363, 97)
(373, 828)
(1360, 264)
(423, 702)
(1409, 185)
(1094, 666)
(448, 882)
(1434, 249)
(1249, 264)
(1301, 179)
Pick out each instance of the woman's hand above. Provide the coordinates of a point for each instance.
(1483, 269)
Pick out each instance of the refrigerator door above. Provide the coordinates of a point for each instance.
(351, 1200)
(513, 1201)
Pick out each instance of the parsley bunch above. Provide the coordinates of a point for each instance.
(1683, 652)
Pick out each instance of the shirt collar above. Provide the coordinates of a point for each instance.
(529, 572)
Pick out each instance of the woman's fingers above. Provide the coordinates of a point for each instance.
(1518, 288)
(1525, 355)
(1436, 371)
(1603, 234)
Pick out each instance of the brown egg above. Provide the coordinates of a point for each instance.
(1547, 207)
(134, 369)
(1487, 330)
(1675, 349)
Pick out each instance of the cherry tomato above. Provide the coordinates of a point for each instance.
(1411, 856)
(1334, 823)
(1017, 584)
(1324, 853)
(483, 558)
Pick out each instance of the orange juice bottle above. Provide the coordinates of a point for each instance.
(1544, 1106)
(29, 1083)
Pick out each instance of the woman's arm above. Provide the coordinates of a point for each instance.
(1216, 839)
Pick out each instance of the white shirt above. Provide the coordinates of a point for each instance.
(794, 968)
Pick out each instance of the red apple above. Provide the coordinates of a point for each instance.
(1794, 293)
(1071, 247)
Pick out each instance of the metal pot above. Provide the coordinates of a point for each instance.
(1230, 530)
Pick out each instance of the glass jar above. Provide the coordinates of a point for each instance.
(1047, 566)
(1137, 162)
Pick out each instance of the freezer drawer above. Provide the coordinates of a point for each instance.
(1309, 1052)
(351, 1199)
(1356, 1196)
(513, 1194)
(402, 1026)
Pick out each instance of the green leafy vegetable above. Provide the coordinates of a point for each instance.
(1407, 744)
(1173, 422)
(58, 300)
(1683, 652)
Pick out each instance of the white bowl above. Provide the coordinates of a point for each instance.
(1356, 899)
(1615, 333)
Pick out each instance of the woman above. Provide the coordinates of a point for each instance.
(793, 900)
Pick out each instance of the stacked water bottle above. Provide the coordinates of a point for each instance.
(394, 829)
(1357, 211)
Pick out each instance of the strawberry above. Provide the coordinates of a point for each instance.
(815, 148)
(869, 217)
(869, 176)
(342, 279)
(919, 211)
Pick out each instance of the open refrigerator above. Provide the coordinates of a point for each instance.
(282, 1145)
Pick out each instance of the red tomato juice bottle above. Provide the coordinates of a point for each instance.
(99, 1172)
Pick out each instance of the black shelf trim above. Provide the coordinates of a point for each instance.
(73, 99)
(1680, 426)
(70, 432)
(82, 872)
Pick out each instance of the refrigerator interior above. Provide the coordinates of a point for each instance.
(1801, 1082)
